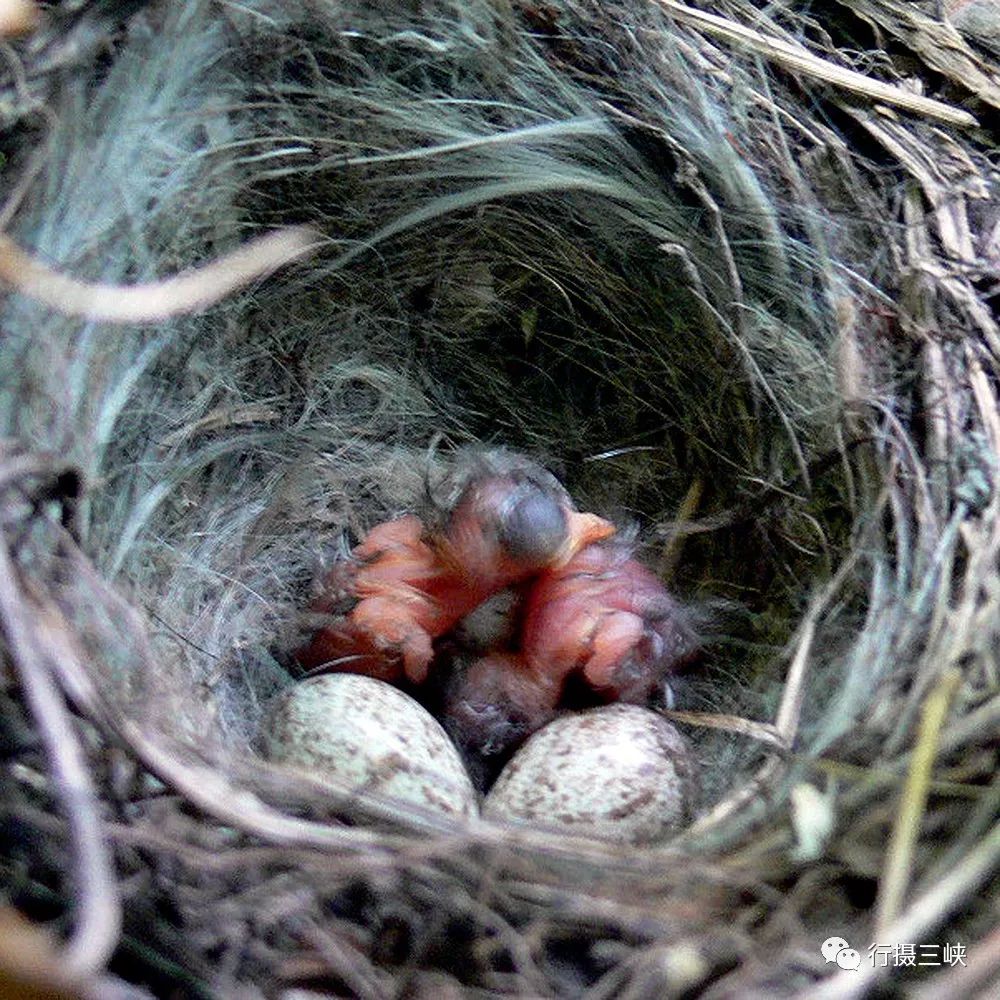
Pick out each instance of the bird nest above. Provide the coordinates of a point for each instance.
(725, 270)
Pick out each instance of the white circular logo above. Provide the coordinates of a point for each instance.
(831, 947)
(848, 958)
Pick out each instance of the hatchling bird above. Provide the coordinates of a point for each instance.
(411, 580)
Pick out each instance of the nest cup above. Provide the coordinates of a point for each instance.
(724, 308)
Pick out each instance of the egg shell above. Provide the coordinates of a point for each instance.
(373, 738)
(619, 773)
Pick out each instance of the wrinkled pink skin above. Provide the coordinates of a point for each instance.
(606, 616)
(602, 618)
(412, 586)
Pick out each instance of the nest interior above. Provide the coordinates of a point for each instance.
(737, 298)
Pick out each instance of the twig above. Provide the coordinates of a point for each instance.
(158, 300)
(899, 856)
(800, 60)
(975, 824)
(764, 732)
(346, 962)
(876, 779)
(938, 43)
(674, 545)
(98, 906)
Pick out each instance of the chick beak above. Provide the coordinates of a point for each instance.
(582, 530)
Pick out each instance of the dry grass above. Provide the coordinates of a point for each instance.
(728, 273)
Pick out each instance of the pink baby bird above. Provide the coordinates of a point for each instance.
(412, 584)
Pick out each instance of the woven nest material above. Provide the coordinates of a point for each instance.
(726, 270)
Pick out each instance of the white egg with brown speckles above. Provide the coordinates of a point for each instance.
(619, 773)
(371, 737)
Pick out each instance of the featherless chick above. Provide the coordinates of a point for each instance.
(412, 583)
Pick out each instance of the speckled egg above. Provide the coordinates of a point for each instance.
(370, 736)
(619, 773)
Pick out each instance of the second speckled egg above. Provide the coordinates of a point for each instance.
(619, 773)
